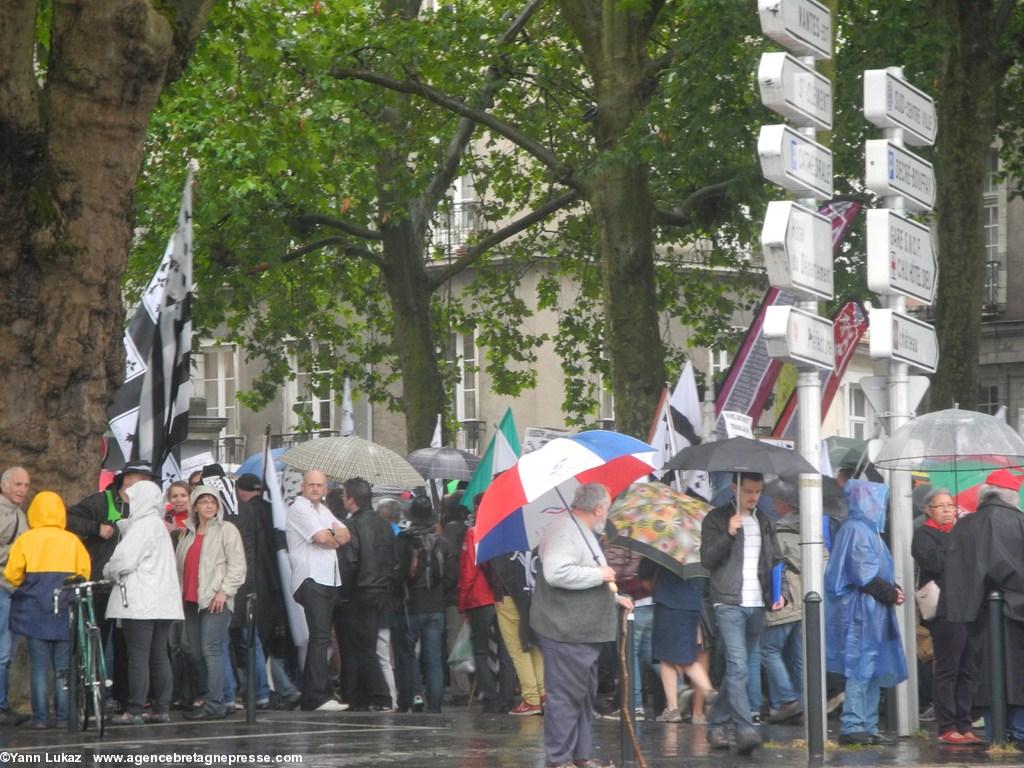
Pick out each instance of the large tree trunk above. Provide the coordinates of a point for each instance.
(614, 41)
(70, 153)
(968, 112)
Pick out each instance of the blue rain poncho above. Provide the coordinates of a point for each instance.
(862, 639)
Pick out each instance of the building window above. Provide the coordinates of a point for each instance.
(464, 355)
(988, 398)
(458, 218)
(860, 416)
(216, 382)
(306, 399)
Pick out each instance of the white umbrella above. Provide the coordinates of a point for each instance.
(342, 458)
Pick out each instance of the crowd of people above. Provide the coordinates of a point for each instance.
(396, 608)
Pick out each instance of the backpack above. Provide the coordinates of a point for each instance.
(427, 561)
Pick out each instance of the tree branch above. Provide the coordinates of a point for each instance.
(335, 240)
(562, 173)
(443, 179)
(476, 250)
(317, 219)
(680, 217)
(187, 18)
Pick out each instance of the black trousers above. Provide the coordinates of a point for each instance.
(498, 691)
(953, 677)
(318, 603)
(357, 624)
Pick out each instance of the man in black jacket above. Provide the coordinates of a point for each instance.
(739, 549)
(366, 563)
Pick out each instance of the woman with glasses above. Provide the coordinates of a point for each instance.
(954, 667)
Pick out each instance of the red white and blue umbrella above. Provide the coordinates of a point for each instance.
(522, 501)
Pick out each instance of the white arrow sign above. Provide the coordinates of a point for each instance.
(901, 256)
(795, 162)
(892, 102)
(892, 170)
(797, 247)
(800, 337)
(795, 90)
(903, 338)
(801, 26)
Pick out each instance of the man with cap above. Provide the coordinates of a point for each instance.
(14, 487)
(94, 519)
(985, 553)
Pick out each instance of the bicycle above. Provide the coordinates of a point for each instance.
(87, 669)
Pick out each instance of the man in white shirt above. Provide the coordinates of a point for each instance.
(313, 536)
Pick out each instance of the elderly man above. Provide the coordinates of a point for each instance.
(14, 487)
(314, 536)
(573, 614)
(985, 553)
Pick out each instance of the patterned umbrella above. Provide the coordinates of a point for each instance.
(342, 458)
(444, 463)
(662, 525)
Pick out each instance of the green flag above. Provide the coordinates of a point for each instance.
(502, 452)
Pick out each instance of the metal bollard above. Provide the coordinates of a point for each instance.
(815, 704)
(626, 753)
(997, 667)
(250, 643)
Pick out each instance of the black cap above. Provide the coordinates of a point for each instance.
(421, 511)
(138, 467)
(248, 482)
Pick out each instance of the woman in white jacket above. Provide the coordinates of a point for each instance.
(144, 561)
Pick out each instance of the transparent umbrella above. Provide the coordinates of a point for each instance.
(342, 458)
(949, 437)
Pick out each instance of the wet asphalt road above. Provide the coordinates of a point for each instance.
(455, 738)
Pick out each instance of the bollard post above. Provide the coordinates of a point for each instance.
(250, 642)
(814, 705)
(626, 753)
(997, 666)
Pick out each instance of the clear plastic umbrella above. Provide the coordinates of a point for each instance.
(342, 458)
(949, 437)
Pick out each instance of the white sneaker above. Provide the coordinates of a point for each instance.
(332, 705)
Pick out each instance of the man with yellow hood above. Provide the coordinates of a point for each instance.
(41, 560)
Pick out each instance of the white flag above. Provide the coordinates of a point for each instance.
(683, 412)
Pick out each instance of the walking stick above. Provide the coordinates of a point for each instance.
(626, 706)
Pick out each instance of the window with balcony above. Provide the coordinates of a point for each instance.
(216, 381)
(992, 213)
(458, 217)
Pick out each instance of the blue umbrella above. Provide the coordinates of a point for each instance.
(254, 464)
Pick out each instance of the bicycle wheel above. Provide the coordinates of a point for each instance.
(95, 679)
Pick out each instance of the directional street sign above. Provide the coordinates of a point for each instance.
(903, 338)
(893, 170)
(795, 90)
(801, 26)
(802, 338)
(892, 102)
(795, 162)
(797, 247)
(901, 256)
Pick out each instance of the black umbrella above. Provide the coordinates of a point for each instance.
(741, 454)
(787, 489)
(443, 463)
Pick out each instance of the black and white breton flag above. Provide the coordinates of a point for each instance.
(677, 426)
(149, 417)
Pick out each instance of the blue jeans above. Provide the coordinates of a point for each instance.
(44, 656)
(6, 644)
(782, 649)
(203, 643)
(262, 684)
(643, 636)
(282, 680)
(739, 631)
(429, 629)
(860, 706)
(1014, 722)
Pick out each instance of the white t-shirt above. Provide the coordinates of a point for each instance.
(310, 561)
(751, 595)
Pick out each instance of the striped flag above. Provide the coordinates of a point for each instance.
(502, 452)
(679, 425)
(149, 417)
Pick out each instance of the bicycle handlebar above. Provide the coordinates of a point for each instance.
(86, 586)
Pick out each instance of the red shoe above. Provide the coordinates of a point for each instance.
(968, 737)
(954, 738)
(525, 708)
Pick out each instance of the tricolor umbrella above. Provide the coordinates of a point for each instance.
(522, 501)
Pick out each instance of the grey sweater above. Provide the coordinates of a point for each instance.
(571, 604)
